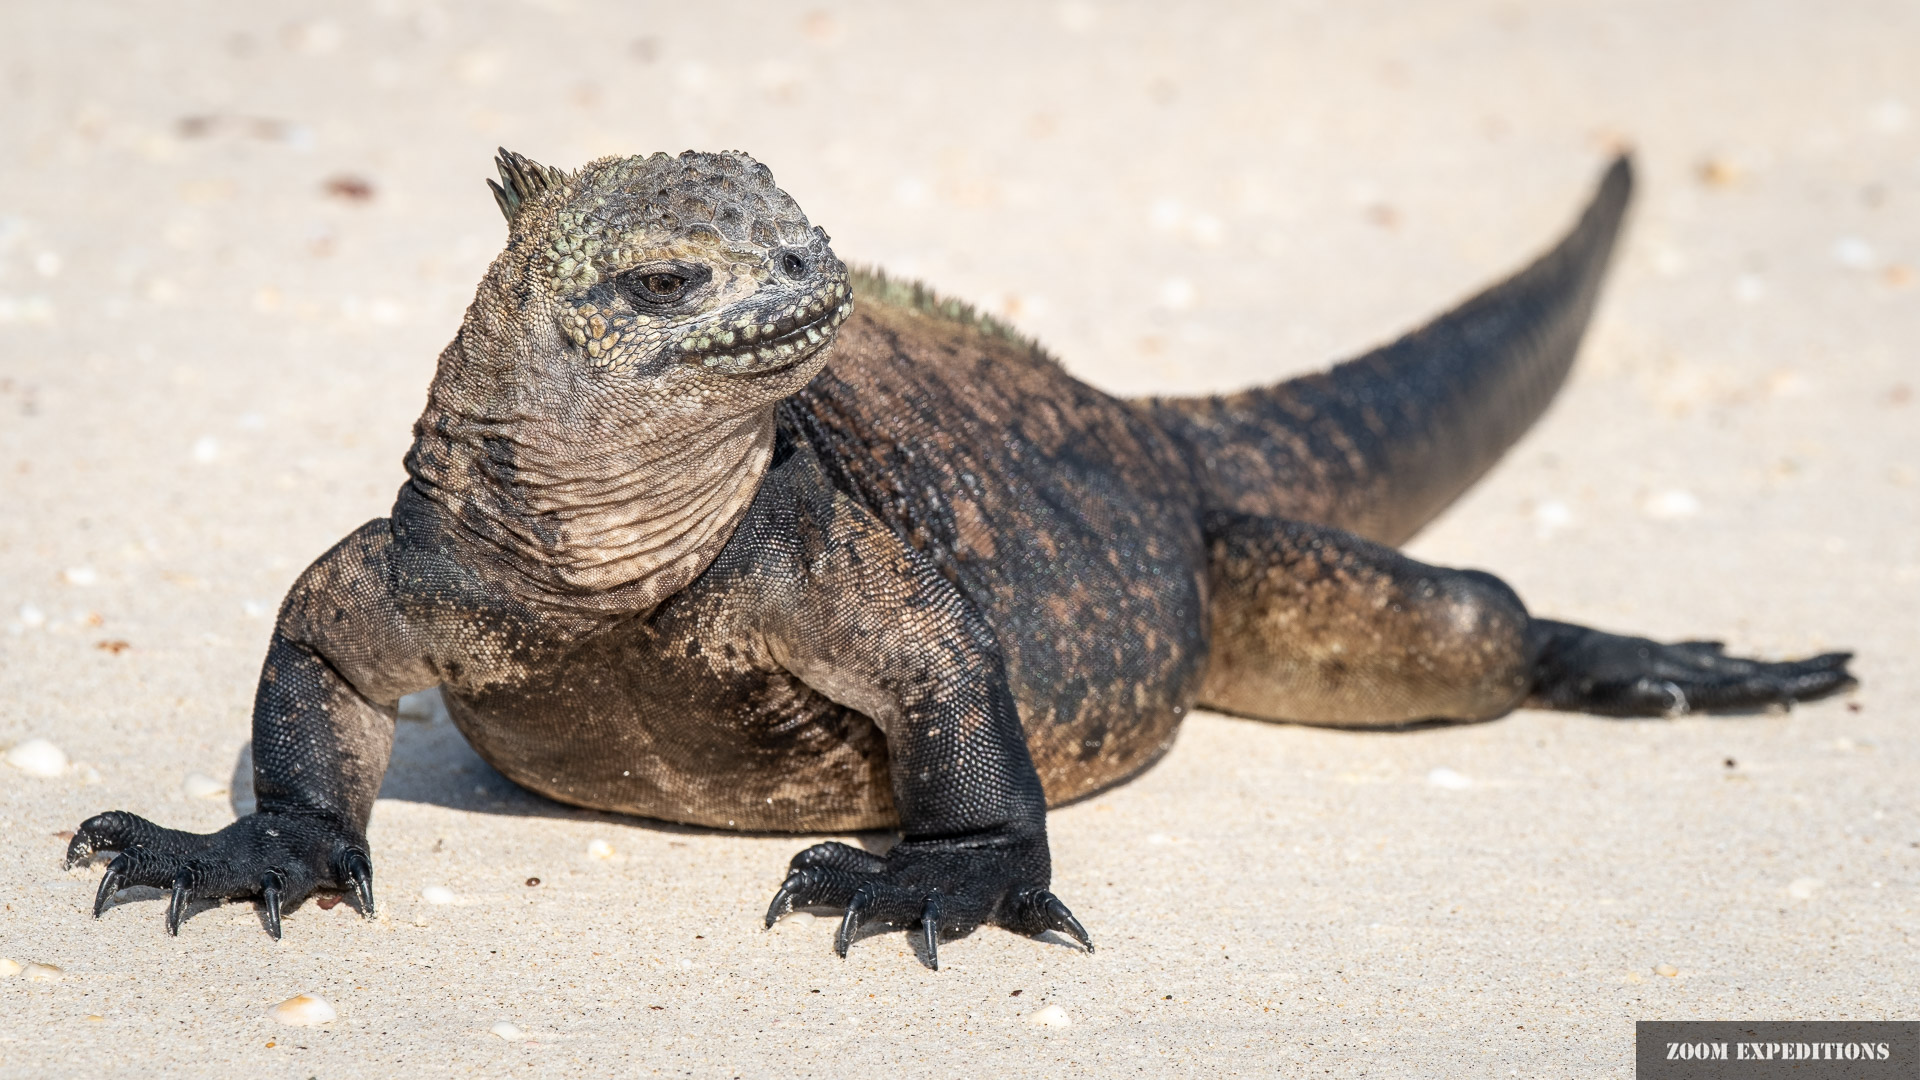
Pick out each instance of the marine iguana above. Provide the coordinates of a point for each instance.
(700, 525)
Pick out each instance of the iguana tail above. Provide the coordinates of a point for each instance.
(1381, 444)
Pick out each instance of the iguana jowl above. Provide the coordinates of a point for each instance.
(700, 526)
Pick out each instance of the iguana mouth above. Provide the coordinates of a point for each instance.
(773, 339)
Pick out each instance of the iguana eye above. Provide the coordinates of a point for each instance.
(664, 286)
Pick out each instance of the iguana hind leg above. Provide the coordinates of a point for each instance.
(1316, 625)
(1319, 626)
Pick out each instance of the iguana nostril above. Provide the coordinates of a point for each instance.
(792, 265)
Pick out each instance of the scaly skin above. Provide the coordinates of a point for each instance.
(688, 535)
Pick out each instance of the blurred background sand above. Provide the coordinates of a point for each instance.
(234, 237)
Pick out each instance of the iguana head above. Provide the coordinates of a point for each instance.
(692, 273)
(605, 413)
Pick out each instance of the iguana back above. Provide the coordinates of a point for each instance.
(1074, 521)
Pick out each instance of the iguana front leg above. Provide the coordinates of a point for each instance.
(323, 717)
(864, 619)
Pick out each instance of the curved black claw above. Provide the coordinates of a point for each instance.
(930, 930)
(177, 906)
(1059, 918)
(782, 903)
(810, 887)
(948, 887)
(850, 922)
(1585, 670)
(271, 884)
(110, 883)
(279, 857)
(356, 871)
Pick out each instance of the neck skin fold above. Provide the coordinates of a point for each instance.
(606, 517)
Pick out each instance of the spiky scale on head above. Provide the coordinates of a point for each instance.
(520, 179)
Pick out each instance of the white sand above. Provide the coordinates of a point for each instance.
(208, 366)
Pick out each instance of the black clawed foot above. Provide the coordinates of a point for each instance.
(949, 887)
(1585, 670)
(280, 858)
(271, 884)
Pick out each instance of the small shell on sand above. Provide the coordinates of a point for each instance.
(202, 786)
(303, 1010)
(9, 967)
(38, 757)
(1666, 969)
(42, 973)
(599, 849)
(1804, 888)
(1444, 777)
(437, 894)
(507, 1031)
(1050, 1016)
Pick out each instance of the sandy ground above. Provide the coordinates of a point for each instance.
(232, 242)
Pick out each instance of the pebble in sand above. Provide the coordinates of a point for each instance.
(1050, 1016)
(38, 757)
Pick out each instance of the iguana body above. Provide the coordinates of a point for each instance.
(671, 548)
